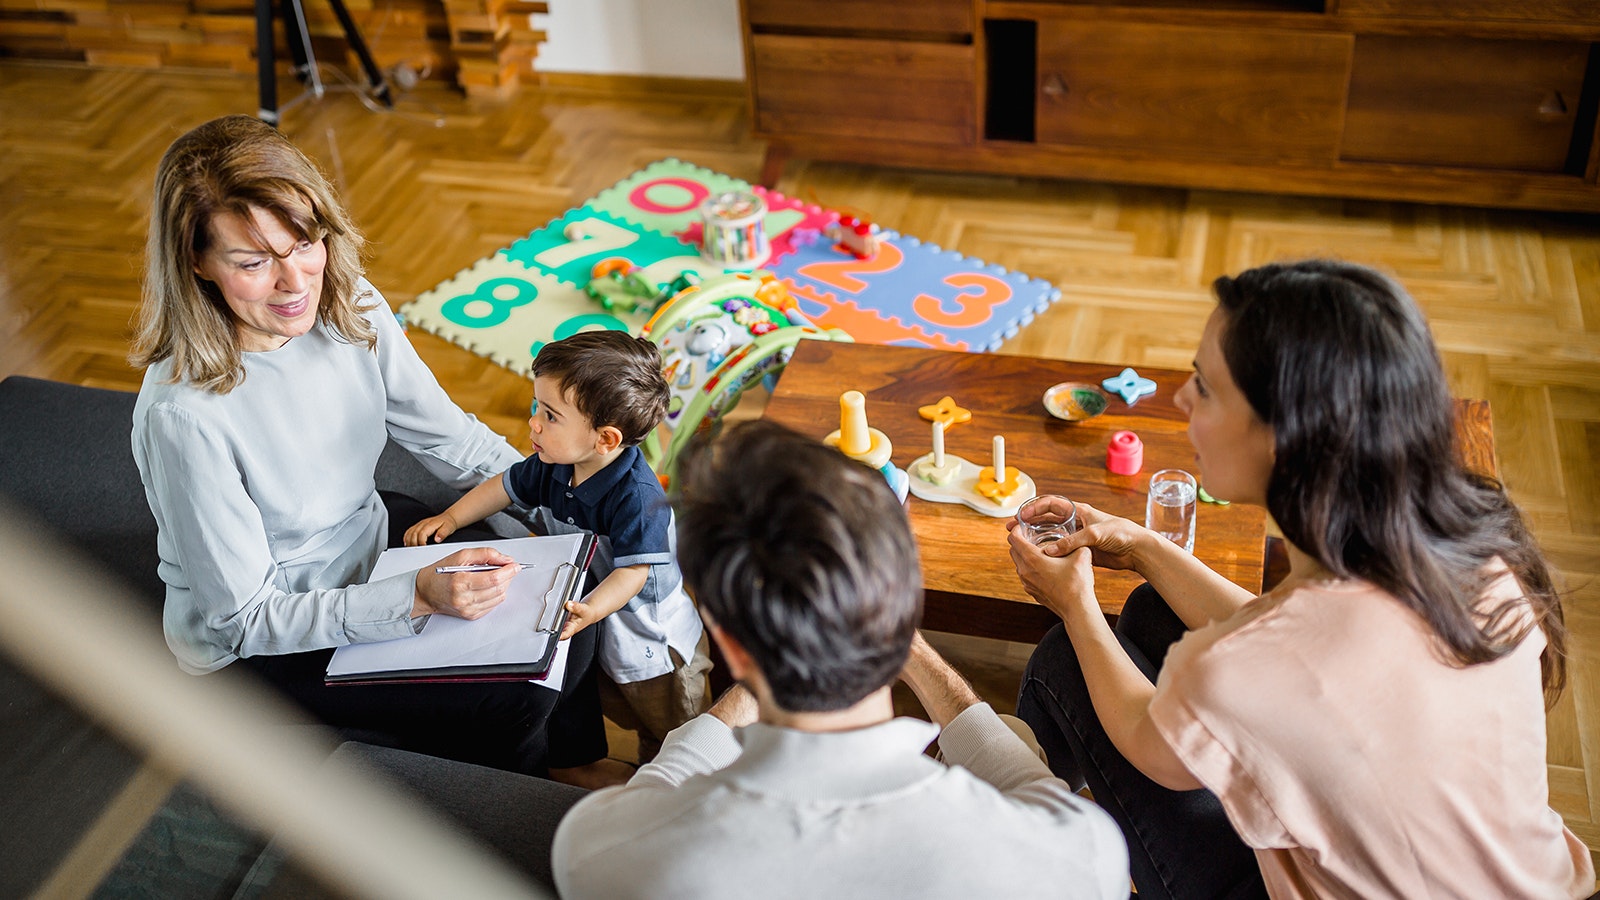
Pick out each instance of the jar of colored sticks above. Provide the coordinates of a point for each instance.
(734, 235)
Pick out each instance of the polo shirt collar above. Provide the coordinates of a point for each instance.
(837, 765)
(600, 483)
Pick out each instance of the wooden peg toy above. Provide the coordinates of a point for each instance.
(945, 411)
(855, 438)
(938, 468)
(970, 485)
(999, 481)
(863, 443)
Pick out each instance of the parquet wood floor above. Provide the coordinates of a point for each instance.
(1514, 297)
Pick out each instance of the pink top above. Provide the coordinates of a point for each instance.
(1358, 763)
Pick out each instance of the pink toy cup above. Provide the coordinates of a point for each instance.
(1125, 453)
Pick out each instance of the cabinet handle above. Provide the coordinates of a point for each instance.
(1554, 104)
(1054, 86)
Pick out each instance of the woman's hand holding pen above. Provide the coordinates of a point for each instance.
(467, 595)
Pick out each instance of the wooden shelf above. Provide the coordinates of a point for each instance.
(1483, 102)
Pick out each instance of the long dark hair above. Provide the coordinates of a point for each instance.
(1368, 478)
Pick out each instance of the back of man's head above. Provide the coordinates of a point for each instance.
(805, 558)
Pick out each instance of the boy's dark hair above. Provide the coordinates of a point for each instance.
(804, 557)
(614, 379)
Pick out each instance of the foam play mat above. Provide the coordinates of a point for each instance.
(903, 292)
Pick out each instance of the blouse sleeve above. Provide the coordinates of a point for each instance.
(450, 443)
(223, 599)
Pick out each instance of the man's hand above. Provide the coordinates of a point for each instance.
(737, 707)
(940, 688)
(433, 528)
(466, 595)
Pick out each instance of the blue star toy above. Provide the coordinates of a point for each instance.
(1130, 386)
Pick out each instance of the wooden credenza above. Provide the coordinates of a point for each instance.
(1483, 102)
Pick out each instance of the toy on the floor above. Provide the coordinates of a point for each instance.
(854, 236)
(733, 233)
(1130, 386)
(942, 477)
(863, 443)
(717, 338)
(1125, 453)
(620, 286)
(533, 291)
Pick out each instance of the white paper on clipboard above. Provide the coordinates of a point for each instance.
(515, 632)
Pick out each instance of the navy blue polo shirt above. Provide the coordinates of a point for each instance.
(625, 505)
(623, 502)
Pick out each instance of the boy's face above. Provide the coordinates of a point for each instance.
(561, 434)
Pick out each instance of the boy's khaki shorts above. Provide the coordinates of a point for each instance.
(657, 705)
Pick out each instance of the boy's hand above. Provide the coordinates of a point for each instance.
(434, 528)
(611, 594)
(579, 617)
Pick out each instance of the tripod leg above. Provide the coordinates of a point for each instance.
(375, 80)
(266, 66)
(298, 36)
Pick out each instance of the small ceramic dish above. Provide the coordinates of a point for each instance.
(1075, 401)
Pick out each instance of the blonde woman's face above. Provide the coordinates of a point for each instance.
(273, 285)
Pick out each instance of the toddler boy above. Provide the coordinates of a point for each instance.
(597, 395)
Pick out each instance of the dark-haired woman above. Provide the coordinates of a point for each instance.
(1373, 726)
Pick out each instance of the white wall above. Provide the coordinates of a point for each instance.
(673, 38)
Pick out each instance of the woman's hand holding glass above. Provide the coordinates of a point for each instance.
(1114, 541)
(1056, 574)
(466, 595)
(1060, 581)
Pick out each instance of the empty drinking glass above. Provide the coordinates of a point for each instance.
(1048, 518)
(1170, 508)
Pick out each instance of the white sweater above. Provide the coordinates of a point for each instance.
(268, 517)
(848, 814)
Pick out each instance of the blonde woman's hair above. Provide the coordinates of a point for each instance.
(233, 165)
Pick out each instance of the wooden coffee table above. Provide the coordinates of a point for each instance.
(971, 586)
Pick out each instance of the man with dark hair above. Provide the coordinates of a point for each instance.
(799, 781)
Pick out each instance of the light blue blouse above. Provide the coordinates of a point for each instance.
(269, 519)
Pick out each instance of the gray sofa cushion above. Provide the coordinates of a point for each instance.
(67, 460)
(66, 463)
(66, 457)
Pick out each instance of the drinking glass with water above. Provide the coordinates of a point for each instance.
(1170, 508)
(1048, 518)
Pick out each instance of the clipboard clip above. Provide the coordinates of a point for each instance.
(558, 589)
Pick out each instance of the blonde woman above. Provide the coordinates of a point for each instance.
(275, 374)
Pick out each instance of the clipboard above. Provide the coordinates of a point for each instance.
(515, 641)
